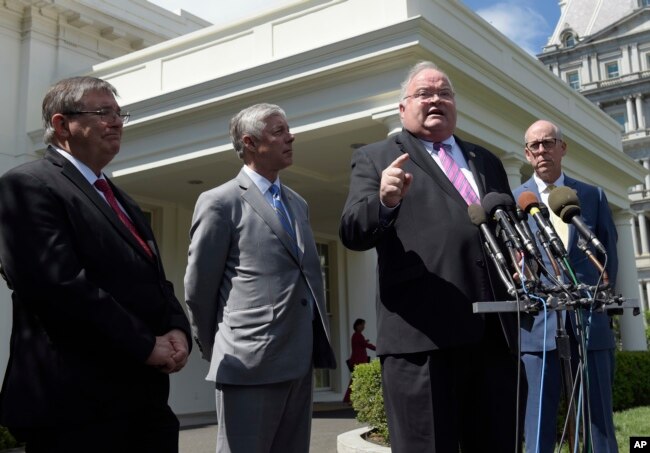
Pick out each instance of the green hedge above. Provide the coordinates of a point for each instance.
(6, 439)
(631, 380)
(367, 398)
(631, 388)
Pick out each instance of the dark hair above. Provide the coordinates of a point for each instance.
(66, 95)
(358, 322)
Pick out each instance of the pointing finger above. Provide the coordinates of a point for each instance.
(397, 163)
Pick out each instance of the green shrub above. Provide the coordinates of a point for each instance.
(631, 389)
(6, 439)
(367, 397)
(631, 382)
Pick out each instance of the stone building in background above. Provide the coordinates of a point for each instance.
(602, 50)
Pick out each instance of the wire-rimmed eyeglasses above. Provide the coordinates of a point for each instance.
(106, 115)
(446, 94)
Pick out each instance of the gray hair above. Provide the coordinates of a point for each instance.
(65, 96)
(251, 121)
(415, 70)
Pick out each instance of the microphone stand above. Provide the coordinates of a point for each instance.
(563, 346)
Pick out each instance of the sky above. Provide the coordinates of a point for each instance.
(529, 23)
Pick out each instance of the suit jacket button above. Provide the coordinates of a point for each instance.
(480, 263)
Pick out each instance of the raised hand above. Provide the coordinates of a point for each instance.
(395, 182)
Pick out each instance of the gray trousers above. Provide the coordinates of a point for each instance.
(269, 418)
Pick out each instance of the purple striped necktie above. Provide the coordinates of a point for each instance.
(454, 173)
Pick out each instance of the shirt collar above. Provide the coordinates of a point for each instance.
(451, 141)
(87, 173)
(260, 181)
(542, 187)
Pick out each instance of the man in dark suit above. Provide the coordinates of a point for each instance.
(448, 375)
(544, 150)
(96, 326)
(254, 288)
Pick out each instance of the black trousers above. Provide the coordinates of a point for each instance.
(443, 400)
(147, 431)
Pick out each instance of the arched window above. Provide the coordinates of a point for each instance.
(569, 40)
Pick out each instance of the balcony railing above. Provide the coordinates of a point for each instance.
(607, 83)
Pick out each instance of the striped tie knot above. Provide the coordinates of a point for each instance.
(455, 174)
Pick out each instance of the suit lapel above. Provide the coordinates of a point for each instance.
(475, 163)
(70, 171)
(420, 156)
(252, 195)
(133, 211)
(294, 209)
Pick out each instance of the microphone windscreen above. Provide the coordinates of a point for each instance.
(527, 200)
(476, 214)
(568, 212)
(521, 214)
(493, 200)
(560, 197)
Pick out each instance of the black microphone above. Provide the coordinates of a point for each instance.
(497, 204)
(478, 218)
(565, 204)
(529, 203)
(526, 234)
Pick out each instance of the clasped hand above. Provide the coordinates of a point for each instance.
(170, 352)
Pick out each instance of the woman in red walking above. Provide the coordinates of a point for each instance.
(359, 354)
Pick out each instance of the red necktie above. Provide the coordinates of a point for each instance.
(454, 173)
(103, 187)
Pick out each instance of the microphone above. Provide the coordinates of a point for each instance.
(496, 204)
(564, 202)
(526, 234)
(478, 218)
(529, 203)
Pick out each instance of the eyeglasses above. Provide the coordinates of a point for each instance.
(106, 115)
(445, 94)
(547, 144)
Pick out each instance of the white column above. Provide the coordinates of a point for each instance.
(640, 117)
(634, 57)
(625, 61)
(556, 70)
(639, 187)
(391, 119)
(643, 299)
(632, 327)
(631, 120)
(595, 74)
(646, 165)
(512, 164)
(643, 233)
(585, 76)
(645, 302)
(635, 241)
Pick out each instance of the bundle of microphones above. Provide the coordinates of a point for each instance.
(519, 261)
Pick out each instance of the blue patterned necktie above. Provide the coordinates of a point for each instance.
(279, 209)
(455, 174)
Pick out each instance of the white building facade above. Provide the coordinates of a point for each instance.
(335, 66)
(602, 50)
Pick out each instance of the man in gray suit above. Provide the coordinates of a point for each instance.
(255, 292)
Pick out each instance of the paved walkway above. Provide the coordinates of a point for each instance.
(198, 434)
